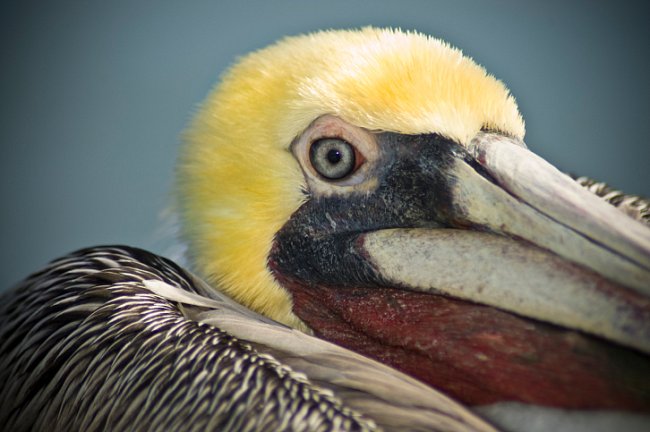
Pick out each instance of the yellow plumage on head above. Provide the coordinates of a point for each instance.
(238, 181)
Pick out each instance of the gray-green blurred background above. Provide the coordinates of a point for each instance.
(94, 95)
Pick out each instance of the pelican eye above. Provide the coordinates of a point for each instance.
(332, 158)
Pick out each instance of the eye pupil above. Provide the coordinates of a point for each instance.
(332, 158)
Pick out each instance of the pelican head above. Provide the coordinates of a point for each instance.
(373, 187)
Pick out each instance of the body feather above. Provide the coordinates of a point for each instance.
(115, 338)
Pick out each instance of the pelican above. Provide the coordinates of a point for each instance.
(373, 247)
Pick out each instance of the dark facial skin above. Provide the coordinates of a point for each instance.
(413, 191)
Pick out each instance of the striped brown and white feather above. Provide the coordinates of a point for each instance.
(634, 206)
(116, 338)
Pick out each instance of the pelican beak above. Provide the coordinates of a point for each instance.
(479, 269)
(521, 236)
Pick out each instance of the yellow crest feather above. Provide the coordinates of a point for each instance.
(238, 181)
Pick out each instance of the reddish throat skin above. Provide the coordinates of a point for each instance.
(476, 354)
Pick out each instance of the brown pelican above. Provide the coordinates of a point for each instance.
(370, 188)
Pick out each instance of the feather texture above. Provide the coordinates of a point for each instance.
(115, 338)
